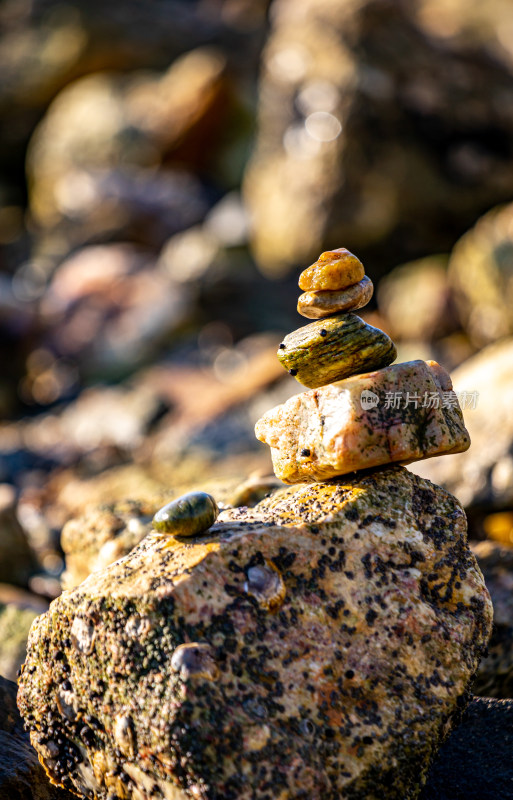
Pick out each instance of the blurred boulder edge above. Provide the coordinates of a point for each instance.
(47, 44)
(415, 300)
(482, 478)
(123, 156)
(481, 275)
(18, 609)
(386, 126)
(495, 674)
(17, 561)
(21, 775)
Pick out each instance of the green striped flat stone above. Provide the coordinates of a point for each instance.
(334, 348)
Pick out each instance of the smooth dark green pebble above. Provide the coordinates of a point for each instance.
(188, 515)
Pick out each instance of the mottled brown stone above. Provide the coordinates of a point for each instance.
(357, 423)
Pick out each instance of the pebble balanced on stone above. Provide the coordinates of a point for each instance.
(361, 412)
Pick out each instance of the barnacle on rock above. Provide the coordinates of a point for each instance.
(265, 583)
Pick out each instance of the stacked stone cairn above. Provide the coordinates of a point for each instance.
(361, 411)
(316, 645)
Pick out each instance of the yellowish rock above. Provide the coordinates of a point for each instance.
(317, 305)
(334, 270)
(402, 413)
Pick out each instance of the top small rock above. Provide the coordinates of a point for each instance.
(333, 270)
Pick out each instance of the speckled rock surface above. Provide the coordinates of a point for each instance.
(365, 421)
(21, 775)
(334, 348)
(495, 675)
(315, 646)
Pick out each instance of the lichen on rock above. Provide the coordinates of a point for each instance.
(317, 645)
(330, 431)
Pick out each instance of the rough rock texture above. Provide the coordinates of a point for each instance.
(383, 125)
(495, 675)
(483, 478)
(365, 421)
(331, 349)
(316, 646)
(475, 762)
(21, 775)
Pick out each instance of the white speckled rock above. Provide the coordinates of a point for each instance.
(317, 646)
(365, 421)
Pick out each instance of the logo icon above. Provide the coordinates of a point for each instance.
(368, 399)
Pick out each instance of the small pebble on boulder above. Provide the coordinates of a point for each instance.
(188, 515)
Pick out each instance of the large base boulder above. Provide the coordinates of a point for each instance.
(317, 645)
(495, 675)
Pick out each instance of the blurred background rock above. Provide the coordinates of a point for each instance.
(166, 170)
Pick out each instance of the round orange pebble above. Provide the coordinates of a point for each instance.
(333, 270)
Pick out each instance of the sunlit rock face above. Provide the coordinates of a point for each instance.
(355, 423)
(315, 646)
(381, 125)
